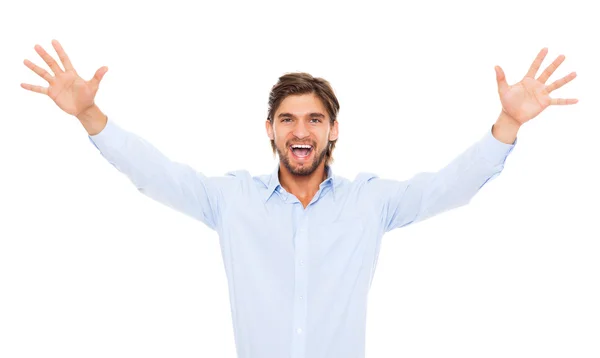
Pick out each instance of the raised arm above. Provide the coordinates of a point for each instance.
(428, 194)
(174, 184)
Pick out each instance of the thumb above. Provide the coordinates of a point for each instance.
(501, 79)
(98, 76)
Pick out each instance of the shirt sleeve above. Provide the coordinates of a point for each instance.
(427, 194)
(173, 184)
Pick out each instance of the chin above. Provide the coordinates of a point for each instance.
(301, 169)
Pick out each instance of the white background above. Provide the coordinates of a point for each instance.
(89, 267)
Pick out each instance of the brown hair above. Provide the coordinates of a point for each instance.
(303, 83)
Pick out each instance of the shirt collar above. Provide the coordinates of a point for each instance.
(273, 183)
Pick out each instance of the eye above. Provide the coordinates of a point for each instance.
(317, 120)
(286, 119)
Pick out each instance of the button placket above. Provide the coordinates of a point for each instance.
(300, 287)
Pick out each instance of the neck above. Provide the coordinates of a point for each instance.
(303, 187)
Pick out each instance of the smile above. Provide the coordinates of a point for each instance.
(301, 151)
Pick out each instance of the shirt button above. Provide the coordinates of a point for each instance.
(299, 330)
(301, 297)
(301, 262)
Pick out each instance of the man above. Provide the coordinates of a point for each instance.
(300, 245)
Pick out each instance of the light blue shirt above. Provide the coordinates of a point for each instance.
(299, 278)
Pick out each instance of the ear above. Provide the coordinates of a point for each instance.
(269, 128)
(333, 133)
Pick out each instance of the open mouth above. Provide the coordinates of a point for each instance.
(301, 151)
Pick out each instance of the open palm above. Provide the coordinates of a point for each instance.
(66, 88)
(529, 97)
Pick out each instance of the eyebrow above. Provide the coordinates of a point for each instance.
(314, 114)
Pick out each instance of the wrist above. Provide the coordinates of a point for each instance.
(92, 119)
(506, 128)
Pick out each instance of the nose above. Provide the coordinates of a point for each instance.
(300, 130)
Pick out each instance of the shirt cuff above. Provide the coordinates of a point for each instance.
(493, 150)
(109, 137)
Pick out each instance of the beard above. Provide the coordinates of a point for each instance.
(304, 170)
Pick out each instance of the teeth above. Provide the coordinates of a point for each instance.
(301, 146)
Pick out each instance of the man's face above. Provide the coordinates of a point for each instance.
(301, 132)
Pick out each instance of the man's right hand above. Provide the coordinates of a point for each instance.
(67, 89)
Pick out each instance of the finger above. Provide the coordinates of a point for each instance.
(550, 69)
(95, 81)
(501, 79)
(48, 59)
(563, 101)
(40, 71)
(535, 66)
(561, 82)
(38, 89)
(62, 55)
